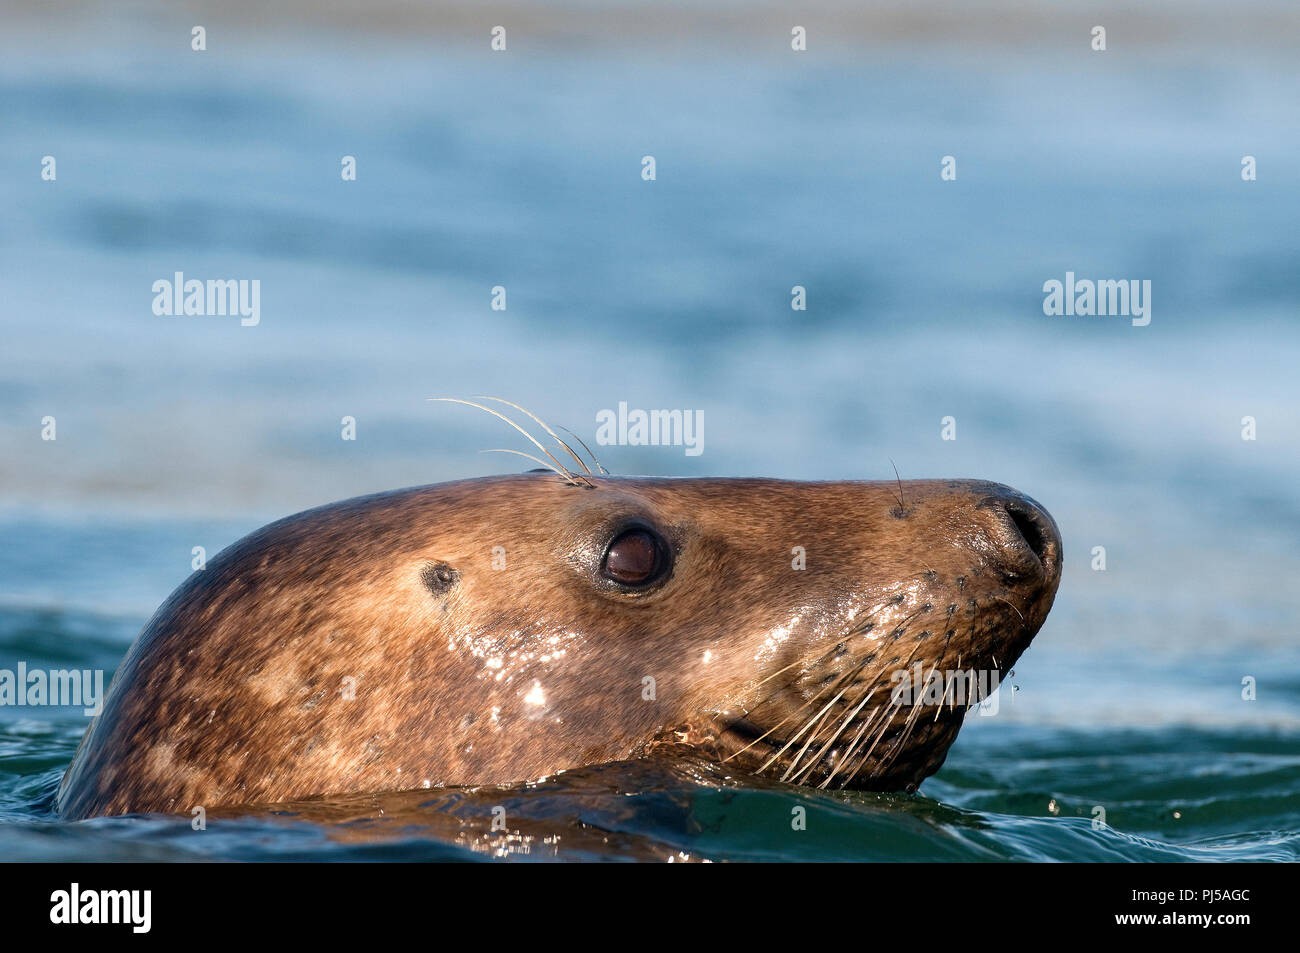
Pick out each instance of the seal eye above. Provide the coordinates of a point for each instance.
(636, 558)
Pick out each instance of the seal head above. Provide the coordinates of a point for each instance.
(503, 629)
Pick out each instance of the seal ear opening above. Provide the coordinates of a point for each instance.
(439, 578)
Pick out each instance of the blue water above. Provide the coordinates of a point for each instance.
(924, 301)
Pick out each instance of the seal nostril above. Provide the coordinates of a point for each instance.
(1031, 530)
(1022, 529)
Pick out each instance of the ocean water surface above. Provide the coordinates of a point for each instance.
(924, 302)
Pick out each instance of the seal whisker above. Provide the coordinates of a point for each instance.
(594, 460)
(888, 713)
(814, 719)
(796, 736)
(813, 736)
(769, 762)
(912, 718)
(852, 749)
(524, 410)
(1013, 606)
(891, 711)
(857, 628)
(539, 460)
(788, 682)
(558, 466)
(819, 717)
(871, 690)
(902, 507)
(844, 724)
(938, 709)
(766, 698)
(893, 752)
(916, 712)
(947, 684)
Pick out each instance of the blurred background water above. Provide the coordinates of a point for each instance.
(774, 169)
